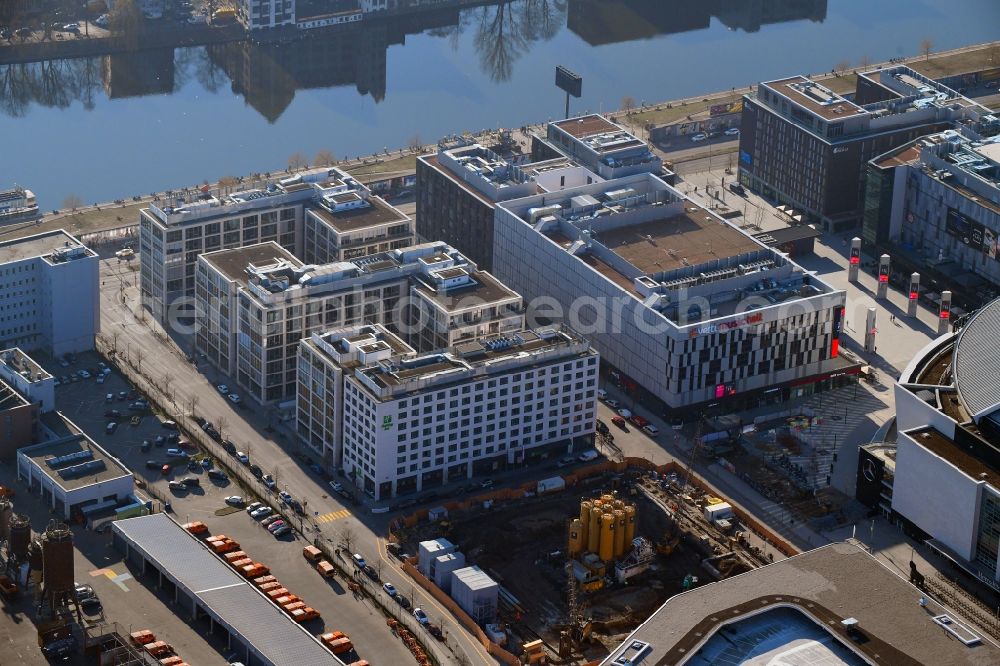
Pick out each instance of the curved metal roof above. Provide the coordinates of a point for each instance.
(976, 362)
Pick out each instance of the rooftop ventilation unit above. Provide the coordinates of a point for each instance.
(84, 469)
(62, 461)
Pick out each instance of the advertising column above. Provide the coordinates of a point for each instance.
(944, 313)
(911, 306)
(883, 276)
(852, 269)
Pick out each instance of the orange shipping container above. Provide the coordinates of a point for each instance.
(267, 587)
(156, 648)
(253, 570)
(196, 527)
(304, 614)
(172, 661)
(286, 599)
(242, 562)
(276, 593)
(332, 636)
(235, 555)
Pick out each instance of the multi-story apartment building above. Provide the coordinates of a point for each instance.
(934, 206)
(417, 422)
(685, 309)
(806, 146)
(26, 391)
(353, 224)
(324, 360)
(458, 188)
(258, 14)
(51, 293)
(262, 301)
(172, 237)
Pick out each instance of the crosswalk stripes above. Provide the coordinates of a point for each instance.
(332, 516)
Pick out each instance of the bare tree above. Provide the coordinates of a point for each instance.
(415, 143)
(223, 424)
(865, 62)
(297, 161)
(226, 183)
(114, 342)
(137, 358)
(628, 104)
(324, 158)
(347, 538)
(925, 47)
(72, 201)
(842, 66)
(193, 402)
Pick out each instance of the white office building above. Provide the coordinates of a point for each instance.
(171, 237)
(686, 310)
(257, 303)
(324, 359)
(480, 406)
(51, 294)
(259, 14)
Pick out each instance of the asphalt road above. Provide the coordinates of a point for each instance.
(162, 360)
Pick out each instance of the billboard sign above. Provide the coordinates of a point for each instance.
(971, 233)
(568, 81)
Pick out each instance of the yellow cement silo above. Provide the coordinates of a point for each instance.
(619, 504)
(585, 507)
(594, 530)
(630, 518)
(607, 498)
(607, 550)
(619, 541)
(576, 539)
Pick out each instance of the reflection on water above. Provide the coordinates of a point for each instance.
(267, 76)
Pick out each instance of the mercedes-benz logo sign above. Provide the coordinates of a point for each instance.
(869, 470)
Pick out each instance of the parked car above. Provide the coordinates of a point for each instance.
(256, 471)
(83, 374)
(639, 421)
(169, 425)
(234, 398)
(602, 394)
(262, 512)
(700, 136)
(486, 483)
(602, 427)
(421, 616)
(159, 440)
(612, 403)
(111, 427)
(359, 561)
(223, 389)
(229, 447)
(217, 475)
(620, 422)
(270, 519)
(281, 531)
(206, 463)
(337, 486)
(190, 481)
(234, 500)
(112, 414)
(176, 485)
(176, 453)
(153, 464)
(83, 591)
(123, 395)
(624, 413)
(269, 481)
(733, 131)
(253, 506)
(276, 525)
(243, 458)
(146, 445)
(402, 601)
(100, 379)
(285, 496)
(565, 462)
(109, 397)
(165, 470)
(390, 589)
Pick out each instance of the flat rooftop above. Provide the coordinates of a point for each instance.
(586, 125)
(435, 163)
(20, 362)
(226, 595)
(9, 398)
(688, 239)
(40, 245)
(909, 154)
(823, 586)
(74, 444)
(233, 263)
(375, 214)
(943, 446)
(816, 97)
(482, 290)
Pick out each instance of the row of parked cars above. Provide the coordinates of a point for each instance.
(265, 515)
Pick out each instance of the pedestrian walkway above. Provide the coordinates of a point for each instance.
(332, 516)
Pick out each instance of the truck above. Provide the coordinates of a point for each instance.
(720, 514)
(551, 485)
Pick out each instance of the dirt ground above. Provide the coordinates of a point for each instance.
(522, 545)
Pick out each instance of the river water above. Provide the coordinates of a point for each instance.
(105, 128)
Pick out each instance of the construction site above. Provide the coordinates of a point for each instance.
(579, 567)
